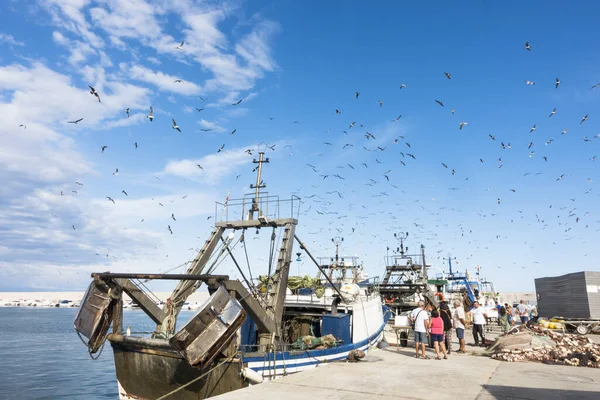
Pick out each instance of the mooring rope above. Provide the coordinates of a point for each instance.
(228, 359)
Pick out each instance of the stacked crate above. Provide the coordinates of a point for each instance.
(575, 295)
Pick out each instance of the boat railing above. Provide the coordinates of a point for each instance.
(269, 207)
(398, 260)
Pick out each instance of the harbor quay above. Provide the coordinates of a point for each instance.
(395, 373)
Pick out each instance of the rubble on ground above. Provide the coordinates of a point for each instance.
(536, 343)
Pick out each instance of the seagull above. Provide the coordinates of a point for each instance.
(205, 130)
(530, 82)
(530, 145)
(445, 166)
(549, 141)
(93, 91)
(492, 137)
(104, 148)
(557, 83)
(178, 81)
(116, 172)
(584, 119)
(200, 166)
(180, 47)
(169, 228)
(173, 216)
(110, 199)
(564, 132)
(560, 177)
(124, 192)
(175, 125)
(233, 131)
(402, 86)
(150, 115)
(396, 120)
(23, 126)
(452, 111)
(380, 103)
(237, 103)
(337, 111)
(76, 121)
(552, 113)
(595, 86)
(533, 128)
(448, 75)
(357, 94)
(136, 145)
(127, 112)
(221, 148)
(462, 124)
(440, 103)
(499, 201)
(79, 183)
(527, 46)
(352, 124)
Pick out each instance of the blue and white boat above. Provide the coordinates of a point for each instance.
(244, 333)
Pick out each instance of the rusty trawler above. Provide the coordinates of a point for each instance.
(247, 331)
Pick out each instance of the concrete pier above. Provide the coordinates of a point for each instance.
(396, 374)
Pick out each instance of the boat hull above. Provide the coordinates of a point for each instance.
(283, 363)
(148, 369)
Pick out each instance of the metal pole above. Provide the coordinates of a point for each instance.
(303, 247)
(182, 277)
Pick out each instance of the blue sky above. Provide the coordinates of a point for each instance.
(297, 61)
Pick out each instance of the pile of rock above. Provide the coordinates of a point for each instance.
(539, 344)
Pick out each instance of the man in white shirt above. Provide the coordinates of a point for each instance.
(418, 317)
(479, 317)
(459, 323)
(523, 312)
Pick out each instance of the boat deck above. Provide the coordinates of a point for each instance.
(396, 374)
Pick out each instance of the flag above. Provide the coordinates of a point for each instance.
(227, 198)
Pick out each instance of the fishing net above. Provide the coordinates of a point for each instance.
(314, 343)
(547, 346)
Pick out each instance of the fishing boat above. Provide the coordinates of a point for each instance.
(405, 281)
(246, 332)
(454, 285)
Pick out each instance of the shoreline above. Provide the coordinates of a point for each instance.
(77, 296)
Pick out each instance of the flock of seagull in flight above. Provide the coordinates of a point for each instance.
(319, 201)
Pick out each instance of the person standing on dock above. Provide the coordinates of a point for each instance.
(523, 312)
(447, 318)
(459, 325)
(418, 317)
(436, 329)
(479, 317)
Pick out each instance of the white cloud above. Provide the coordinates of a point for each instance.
(154, 60)
(79, 50)
(69, 15)
(9, 40)
(163, 81)
(211, 125)
(215, 166)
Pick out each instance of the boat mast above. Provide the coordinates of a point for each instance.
(259, 184)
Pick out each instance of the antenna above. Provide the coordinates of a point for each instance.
(402, 236)
(450, 258)
(259, 184)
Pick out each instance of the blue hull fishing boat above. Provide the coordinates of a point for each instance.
(247, 331)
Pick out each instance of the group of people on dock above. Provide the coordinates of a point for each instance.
(507, 314)
(439, 323)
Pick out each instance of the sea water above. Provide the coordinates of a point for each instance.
(41, 356)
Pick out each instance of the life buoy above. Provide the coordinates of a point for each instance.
(439, 295)
(390, 299)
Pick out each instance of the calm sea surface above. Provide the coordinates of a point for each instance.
(41, 356)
